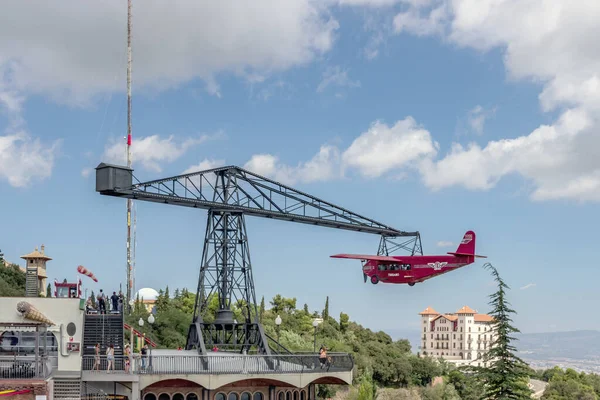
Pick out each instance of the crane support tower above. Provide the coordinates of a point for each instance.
(229, 194)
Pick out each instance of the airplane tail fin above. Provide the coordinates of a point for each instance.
(467, 246)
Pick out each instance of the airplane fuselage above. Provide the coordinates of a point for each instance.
(410, 270)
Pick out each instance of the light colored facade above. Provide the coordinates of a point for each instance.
(462, 337)
(38, 259)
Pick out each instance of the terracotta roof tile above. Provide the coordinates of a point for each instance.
(429, 311)
(466, 310)
(483, 318)
(449, 317)
(36, 254)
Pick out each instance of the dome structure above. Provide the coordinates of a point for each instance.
(147, 294)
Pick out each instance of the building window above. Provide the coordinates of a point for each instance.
(246, 396)
(220, 396)
(233, 396)
(177, 396)
(281, 396)
(165, 396)
(191, 396)
(150, 396)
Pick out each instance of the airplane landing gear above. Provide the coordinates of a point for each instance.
(374, 279)
(411, 284)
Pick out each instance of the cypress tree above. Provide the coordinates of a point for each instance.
(49, 291)
(326, 310)
(306, 309)
(505, 376)
(262, 309)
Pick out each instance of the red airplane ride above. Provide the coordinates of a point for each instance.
(413, 269)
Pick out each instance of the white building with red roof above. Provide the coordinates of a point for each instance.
(462, 337)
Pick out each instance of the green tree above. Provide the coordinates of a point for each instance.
(326, 309)
(306, 309)
(344, 322)
(506, 375)
(1, 258)
(48, 291)
(367, 389)
(12, 280)
(261, 312)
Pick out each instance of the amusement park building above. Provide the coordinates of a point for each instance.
(462, 337)
(49, 354)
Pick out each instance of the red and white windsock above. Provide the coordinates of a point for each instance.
(84, 271)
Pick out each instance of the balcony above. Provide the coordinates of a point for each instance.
(26, 366)
(173, 362)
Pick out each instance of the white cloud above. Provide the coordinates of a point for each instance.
(86, 172)
(477, 118)
(379, 150)
(204, 165)
(528, 286)
(151, 151)
(336, 76)
(444, 244)
(85, 43)
(559, 51)
(324, 166)
(24, 159)
(383, 148)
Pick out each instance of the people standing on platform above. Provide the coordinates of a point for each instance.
(101, 302)
(96, 357)
(144, 352)
(323, 355)
(115, 301)
(127, 358)
(110, 357)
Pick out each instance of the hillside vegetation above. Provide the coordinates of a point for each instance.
(12, 279)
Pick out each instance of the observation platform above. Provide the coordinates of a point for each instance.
(215, 370)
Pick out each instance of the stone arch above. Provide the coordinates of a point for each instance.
(282, 381)
(184, 384)
(330, 380)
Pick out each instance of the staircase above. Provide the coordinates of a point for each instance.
(105, 329)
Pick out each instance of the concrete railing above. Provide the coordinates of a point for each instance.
(222, 364)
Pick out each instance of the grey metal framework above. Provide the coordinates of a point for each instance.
(229, 193)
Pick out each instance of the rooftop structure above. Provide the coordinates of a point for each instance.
(461, 337)
(36, 271)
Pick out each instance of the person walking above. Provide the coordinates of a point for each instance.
(96, 357)
(110, 356)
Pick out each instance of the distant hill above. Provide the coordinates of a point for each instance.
(549, 346)
(575, 345)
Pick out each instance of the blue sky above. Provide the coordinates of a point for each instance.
(435, 116)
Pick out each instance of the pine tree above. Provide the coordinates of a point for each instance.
(262, 309)
(326, 310)
(505, 376)
(1, 258)
(306, 309)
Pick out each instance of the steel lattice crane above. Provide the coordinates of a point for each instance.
(229, 193)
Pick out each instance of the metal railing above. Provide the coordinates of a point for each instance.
(26, 366)
(221, 364)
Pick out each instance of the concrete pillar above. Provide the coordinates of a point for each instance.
(135, 391)
(312, 392)
(205, 394)
(272, 393)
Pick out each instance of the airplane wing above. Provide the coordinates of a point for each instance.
(367, 257)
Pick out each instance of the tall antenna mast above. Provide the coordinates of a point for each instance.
(129, 201)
